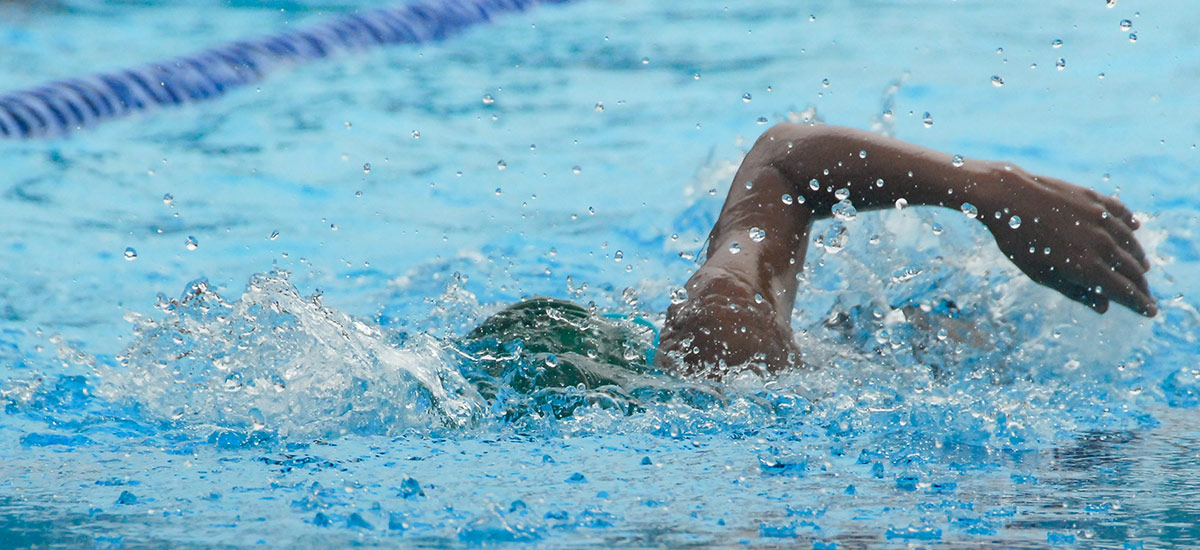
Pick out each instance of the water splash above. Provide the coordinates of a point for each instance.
(279, 361)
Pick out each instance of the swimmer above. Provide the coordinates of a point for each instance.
(738, 315)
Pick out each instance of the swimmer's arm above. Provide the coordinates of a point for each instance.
(741, 299)
(1092, 257)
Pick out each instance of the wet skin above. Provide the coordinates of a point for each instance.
(739, 310)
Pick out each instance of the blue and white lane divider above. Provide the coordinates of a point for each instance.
(57, 108)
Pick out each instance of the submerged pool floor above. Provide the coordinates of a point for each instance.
(231, 324)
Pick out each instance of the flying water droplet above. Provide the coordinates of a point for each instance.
(746, 97)
(879, 182)
(367, 168)
(1056, 43)
(1126, 24)
(862, 154)
(1062, 63)
(901, 203)
(970, 210)
(274, 235)
(761, 120)
(757, 235)
(130, 254)
(844, 211)
(551, 360)
(834, 240)
(927, 119)
(734, 248)
(576, 169)
(1133, 37)
(841, 194)
(679, 296)
(1014, 222)
(191, 243)
(416, 134)
(937, 228)
(814, 184)
(168, 199)
(957, 161)
(997, 81)
(749, 185)
(786, 198)
(501, 165)
(599, 108)
(488, 99)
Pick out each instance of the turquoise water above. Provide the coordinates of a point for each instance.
(306, 393)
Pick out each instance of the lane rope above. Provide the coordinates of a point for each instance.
(57, 108)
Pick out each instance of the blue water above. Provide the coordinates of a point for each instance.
(288, 380)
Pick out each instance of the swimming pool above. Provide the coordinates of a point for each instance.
(581, 151)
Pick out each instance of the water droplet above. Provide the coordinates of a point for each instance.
(1126, 24)
(786, 198)
(551, 360)
(862, 154)
(695, 76)
(749, 185)
(757, 235)
(348, 125)
(927, 119)
(488, 99)
(499, 191)
(814, 184)
(746, 97)
(824, 82)
(274, 235)
(1046, 251)
(257, 422)
(416, 134)
(501, 165)
(844, 211)
(800, 199)
(901, 204)
(1133, 37)
(761, 120)
(905, 274)
(942, 334)
(841, 194)
(1014, 222)
(679, 296)
(168, 199)
(130, 254)
(970, 210)
(937, 228)
(1060, 64)
(367, 168)
(1099, 289)
(957, 161)
(833, 240)
(576, 169)
(997, 81)
(734, 248)
(1056, 44)
(191, 243)
(618, 256)
(645, 61)
(599, 108)
(879, 182)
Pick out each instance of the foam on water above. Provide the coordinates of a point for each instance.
(275, 360)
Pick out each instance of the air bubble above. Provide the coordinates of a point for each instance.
(130, 254)
(757, 235)
(970, 210)
(1014, 222)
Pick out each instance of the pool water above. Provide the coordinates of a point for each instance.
(236, 323)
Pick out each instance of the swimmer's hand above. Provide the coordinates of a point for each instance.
(1071, 239)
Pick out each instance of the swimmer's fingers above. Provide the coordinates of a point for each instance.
(1126, 264)
(1081, 294)
(1123, 235)
(1117, 287)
